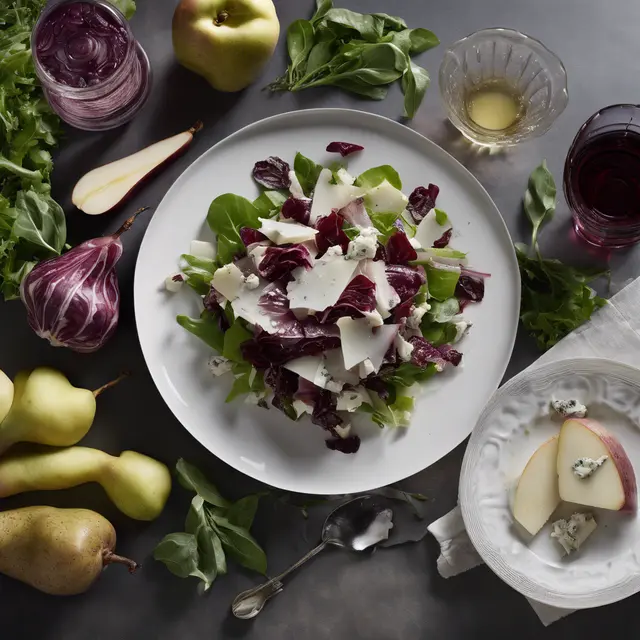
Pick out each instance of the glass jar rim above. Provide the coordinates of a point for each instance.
(115, 78)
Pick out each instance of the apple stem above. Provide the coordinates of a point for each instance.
(128, 223)
(196, 127)
(221, 17)
(112, 383)
(108, 557)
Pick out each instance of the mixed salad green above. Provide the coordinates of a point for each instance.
(330, 294)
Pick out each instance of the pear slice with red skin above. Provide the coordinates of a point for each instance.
(103, 189)
(612, 485)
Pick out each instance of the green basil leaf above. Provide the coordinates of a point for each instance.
(422, 40)
(415, 81)
(127, 7)
(307, 172)
(207, 560)
(199, 272)
(196, 516)
(361, 88)
(376, 175)
(408, 374)
(179, 553)
(441, 217)
(368, 26)
(234, 336)
(239, 544)
(442, 282)
(40, 221)
(242, 512)
(438, 334)
(322, 6)
(444, 311)
(218, 553)
(206, 327)
(190, 477)
(300, 41)
(540, 199)
(393, 23)
(228, 213)
(320, 55)
(269, 203)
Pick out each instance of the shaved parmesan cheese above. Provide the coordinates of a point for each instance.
(429, 230)
(360, 342)
(327, 196)
(351, 399)
(257, 254)
(344, 176)
(386, 295)
(306, 367)
(334, 364)
(286, 232)
(229, 281)
(320, 287)
(202, 249)
(296, 188)
(385, 198)
(301, 407)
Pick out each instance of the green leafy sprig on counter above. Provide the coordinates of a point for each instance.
(556, 298)
(214, 528)
(361, 53)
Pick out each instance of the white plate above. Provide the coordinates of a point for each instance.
(512, 426)
(265, 444)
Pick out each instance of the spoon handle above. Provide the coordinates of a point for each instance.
(249, 604)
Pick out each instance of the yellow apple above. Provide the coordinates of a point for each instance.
(228, 42)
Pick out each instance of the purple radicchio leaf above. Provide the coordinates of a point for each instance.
(422, 200)
(74, 300)
(381, 253)
(272, 173)
(405, 280)
(350, 444)
(284, 384)
(278, 262)
(450, 354)
(424, 353)
(357, 299)
(402, 310)
(399, 249)
(251, 236)
(443, 240)
(470, 289)
(355, 213)
(344, 148)
(377, 385)
(297, 209)
(212, 305)
(330, 233)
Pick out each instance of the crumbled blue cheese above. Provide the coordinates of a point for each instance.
(351, 399)
(585, 467)
(174, 283)
(254, 397)
(416, 315)
(573, 532)
(333, 251)
(404, 348)
(251, 281)
(364, 245)
(569, 408)
(219, 365)
(462, 327)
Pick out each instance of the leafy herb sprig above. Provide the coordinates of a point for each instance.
(556, 298)
(214, 527)
(361, 53)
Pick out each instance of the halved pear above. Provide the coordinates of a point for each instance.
(6, 395)
(537, 495)
(104, 188)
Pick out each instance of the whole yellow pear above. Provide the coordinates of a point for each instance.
(228, 42)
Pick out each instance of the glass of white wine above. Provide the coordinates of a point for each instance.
(501, 87)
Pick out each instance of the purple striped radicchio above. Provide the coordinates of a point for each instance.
(74, 300)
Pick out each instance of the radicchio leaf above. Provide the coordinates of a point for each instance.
(330, 233)
(469, 289)
(355, 213)
(443, 240)
(399, 249)
(357, 299)
(278, 262)
(212, 305)
(272, 173)
(422, 200)
(405, 280)
(402, 310)
(297, 209)
(376, 384)
(274, 303)
(284, 384)
(381, 253)
(350, 444)
(343, 148)
(251, 236)
(424, 353)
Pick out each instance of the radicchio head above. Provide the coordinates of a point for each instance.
(74, 300)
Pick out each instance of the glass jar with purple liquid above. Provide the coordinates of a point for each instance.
(94, 73)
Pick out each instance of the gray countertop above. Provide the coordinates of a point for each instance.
(395, 593)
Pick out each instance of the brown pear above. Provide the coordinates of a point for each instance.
(59, 551)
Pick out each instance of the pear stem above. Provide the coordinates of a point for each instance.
(112, 383)
(221, 17)
(196, 127)
(108, 557)
(128, 223)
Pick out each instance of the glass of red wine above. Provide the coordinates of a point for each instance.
(602, 177)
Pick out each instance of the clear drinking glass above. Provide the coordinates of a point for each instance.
(515, 60)
(602, 177)
(94, 73)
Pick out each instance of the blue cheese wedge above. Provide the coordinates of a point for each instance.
(569, 408)
(572, 533)
(586, 467)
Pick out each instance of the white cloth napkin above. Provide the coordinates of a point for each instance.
(613, 332)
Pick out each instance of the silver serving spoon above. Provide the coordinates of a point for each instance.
(357, 525)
